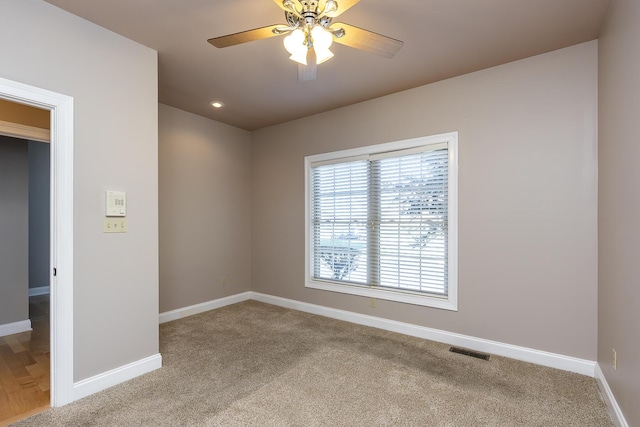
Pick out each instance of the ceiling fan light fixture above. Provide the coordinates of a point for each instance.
(294, 43)
(322, 40)
(309, 25)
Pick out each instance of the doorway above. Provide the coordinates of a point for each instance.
(61, 229)
(24, 262)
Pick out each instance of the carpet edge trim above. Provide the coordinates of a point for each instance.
(539, 357)
(609, 399)
(116, 376)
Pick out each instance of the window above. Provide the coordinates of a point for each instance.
(382, 221)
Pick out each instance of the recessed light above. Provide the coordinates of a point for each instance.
(216, 104)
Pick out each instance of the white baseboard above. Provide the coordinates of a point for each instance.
(15, 328)
(116, 376)
(42, 290)
(614, 409)
(558, 361)
(168, 316)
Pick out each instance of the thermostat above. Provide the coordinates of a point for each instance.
(116, 203)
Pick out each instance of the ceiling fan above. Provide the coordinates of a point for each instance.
(310, 32)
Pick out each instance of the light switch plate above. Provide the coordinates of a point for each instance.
(115, 225)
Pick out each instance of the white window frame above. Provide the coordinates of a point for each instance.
(449, 302)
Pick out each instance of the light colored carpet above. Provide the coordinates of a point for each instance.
(253, 364)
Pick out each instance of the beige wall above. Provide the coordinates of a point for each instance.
(205, 208)
(113, 82)
(619, 205)
(14, 230)
(527, 182)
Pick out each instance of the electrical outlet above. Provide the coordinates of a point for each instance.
(223, 281)
(614, 359)
(372, 302)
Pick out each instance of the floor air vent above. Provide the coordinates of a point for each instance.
(469, 353)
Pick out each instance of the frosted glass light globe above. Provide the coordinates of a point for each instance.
(322, 38)
(294, 43)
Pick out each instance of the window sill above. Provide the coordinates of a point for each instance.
(402, 296)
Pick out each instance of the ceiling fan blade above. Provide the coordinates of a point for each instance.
(310, 71)
(244, 36)
(366, 40)
(343, 6)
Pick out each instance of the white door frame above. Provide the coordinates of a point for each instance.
(61, 218)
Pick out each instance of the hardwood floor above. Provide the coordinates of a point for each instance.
(25, 367)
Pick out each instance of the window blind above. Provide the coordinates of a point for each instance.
(340, 214)
(382, 221)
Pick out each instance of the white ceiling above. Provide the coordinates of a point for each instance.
(258, 83)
